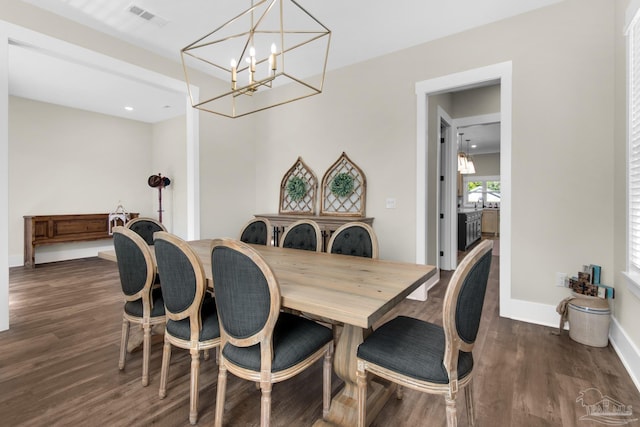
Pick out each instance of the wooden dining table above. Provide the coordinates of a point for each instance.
(352, 290)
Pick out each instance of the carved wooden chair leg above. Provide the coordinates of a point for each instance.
(146, 354)
(361, 379)
(326, 382)
(124, 340)
(164, 372)
(452, 418)
(471, 410)
(265, 404)
(222, 388)
(195, 370)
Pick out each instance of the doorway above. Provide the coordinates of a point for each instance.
(425, 244)
(10, 32)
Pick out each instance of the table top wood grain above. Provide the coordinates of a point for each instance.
(353, 290)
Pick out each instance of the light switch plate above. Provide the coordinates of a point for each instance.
(391, 203)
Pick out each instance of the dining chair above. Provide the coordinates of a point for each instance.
(192, 319)
(427, 357)
(257, 231)
(143, 302)
(354, 238)
(303, 234)
(145, 227)
(259, 342)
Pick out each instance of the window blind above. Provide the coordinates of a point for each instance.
(634, 145)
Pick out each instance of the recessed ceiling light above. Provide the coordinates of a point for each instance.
(474, 146)
(128, 108)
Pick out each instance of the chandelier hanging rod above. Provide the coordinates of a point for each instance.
(232, 20)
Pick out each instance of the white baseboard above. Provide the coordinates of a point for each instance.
(626, 349)
(546, 315)
(60, 255)
(530, 312)
(421, 293)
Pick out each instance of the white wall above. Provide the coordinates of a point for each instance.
(487, 164)
(65, 161)
(169, 158)
(363, 111)
(474, 102)
(228, 164)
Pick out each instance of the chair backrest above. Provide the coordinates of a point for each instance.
(257, 231)
(247, 295)
(183, 279)
(145, 227)
(463, 301)
(354, 238)
(304, 234)
(135, 265)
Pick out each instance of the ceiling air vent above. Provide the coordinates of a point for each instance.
(146, 15)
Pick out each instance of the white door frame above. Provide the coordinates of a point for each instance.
(447, 242)
(502, 74)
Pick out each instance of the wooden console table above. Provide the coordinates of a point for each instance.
(327, 223)
(49, 229)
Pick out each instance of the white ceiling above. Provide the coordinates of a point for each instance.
(39, 74)
(361, 30)
(485, 137)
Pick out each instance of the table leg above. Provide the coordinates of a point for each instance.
(135, 339)
(344, 406)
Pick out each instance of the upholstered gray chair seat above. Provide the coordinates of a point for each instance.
(294, 339)
(210, 326)
(413, 348)
(134, 308)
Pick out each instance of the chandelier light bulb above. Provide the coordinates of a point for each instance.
(272, 58)
(234, 73)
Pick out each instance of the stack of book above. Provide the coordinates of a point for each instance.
(588, 283)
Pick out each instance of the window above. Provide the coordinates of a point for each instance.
(481, 191)
(633, 153)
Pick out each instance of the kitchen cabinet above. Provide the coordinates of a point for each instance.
(469, 228)
(491, 221)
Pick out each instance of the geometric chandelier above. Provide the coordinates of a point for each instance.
(271, 54)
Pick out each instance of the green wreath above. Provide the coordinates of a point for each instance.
(342, 185)
(296, 188)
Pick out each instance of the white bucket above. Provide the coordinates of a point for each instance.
(589, 320)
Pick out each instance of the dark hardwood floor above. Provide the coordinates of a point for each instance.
(59, 366)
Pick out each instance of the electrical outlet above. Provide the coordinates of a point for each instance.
(390, 203)
(561, 280)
